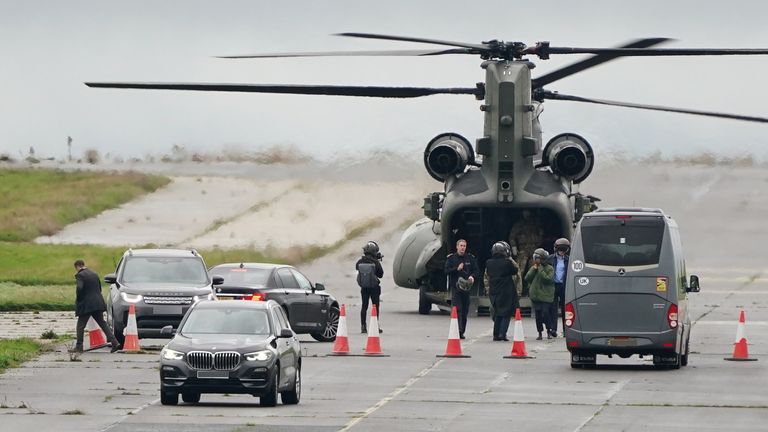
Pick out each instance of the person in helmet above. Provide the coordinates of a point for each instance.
(559, 261)
(369, 271)
(541, 283)
(500, 270)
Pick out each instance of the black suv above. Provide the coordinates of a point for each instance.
(161, 284)
(309, 308)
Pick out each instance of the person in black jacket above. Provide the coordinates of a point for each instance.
(501, 269)
(462, 271)
(370, 286)
(89, 303)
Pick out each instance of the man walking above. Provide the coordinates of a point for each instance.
(462, 270)
(89, 303)
(559, 261)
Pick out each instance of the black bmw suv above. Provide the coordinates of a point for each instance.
(161, 284)
(309, 307)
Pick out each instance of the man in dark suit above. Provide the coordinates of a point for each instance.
(89, 303)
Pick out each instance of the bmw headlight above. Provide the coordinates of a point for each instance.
(170, 354)
(131, 298)
(259, 355)
(197, 298)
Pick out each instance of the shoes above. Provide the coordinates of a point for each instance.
(496, 338)
(363, 329)
(115, 348)
(553, 334)
(461, 337)
(549, 335)
(77, 350)
(380, 330)
(539, 338)
(505, 339)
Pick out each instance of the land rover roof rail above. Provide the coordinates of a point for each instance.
(628, 210)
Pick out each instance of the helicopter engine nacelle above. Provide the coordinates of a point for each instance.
(570, 156)
(447, 154)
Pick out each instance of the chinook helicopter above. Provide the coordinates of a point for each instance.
(509, 175)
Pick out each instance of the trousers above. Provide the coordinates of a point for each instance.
(372, 295)
(82, 321)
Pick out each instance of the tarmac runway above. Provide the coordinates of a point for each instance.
(415, 391)
(721, 221)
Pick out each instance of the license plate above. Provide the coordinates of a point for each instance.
(622, 341)
(213, 374)
(167, 310)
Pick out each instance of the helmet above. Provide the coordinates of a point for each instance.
(499, 248)
(506, 245)
(562, 244)
(540, 253)
(371, 248)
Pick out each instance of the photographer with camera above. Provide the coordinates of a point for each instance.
(369, 270)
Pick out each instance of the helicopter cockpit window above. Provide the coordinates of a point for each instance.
(628, 242)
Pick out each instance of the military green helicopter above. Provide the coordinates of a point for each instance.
(509, 177)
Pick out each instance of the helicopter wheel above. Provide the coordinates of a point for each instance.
(425, 304)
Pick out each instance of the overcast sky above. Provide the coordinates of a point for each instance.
(50, 47)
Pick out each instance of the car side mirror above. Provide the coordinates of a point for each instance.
(110, 279)
(693, 286)
(167, 330)
(218, 280)
(286, 333)
(319, 287)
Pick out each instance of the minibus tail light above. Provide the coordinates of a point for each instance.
(672, 316)
(570, 315)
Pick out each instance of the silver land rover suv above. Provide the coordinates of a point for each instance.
(161, 284)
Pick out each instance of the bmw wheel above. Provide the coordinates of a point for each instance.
(168, 398)
(190, 397)
(291, 397)
(331, 327)
(270, 397)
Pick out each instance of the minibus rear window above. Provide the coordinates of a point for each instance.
(611, 241)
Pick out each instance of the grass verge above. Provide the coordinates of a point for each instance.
(14, 297)
(41, 202)
(13, 352)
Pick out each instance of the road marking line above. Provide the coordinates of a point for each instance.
(616, 388)
(130, 413)
(734, 322)
(401, 389)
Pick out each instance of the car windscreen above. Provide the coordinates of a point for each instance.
(243, 276)
(226, 321)
(184, 270)
(622, 241)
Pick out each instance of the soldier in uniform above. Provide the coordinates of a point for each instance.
(524, 237)
(462, 270)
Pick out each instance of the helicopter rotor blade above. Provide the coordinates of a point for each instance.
(402, 53)
(560, 96)
(591, 62)
(652, 52)
(362, 91)
(415, 39)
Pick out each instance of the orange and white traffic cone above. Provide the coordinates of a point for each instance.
(373, 347)
(518, 340)
(341, 345)
(740, 351)
(96, 337)
(453, 349)
(131, 332)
